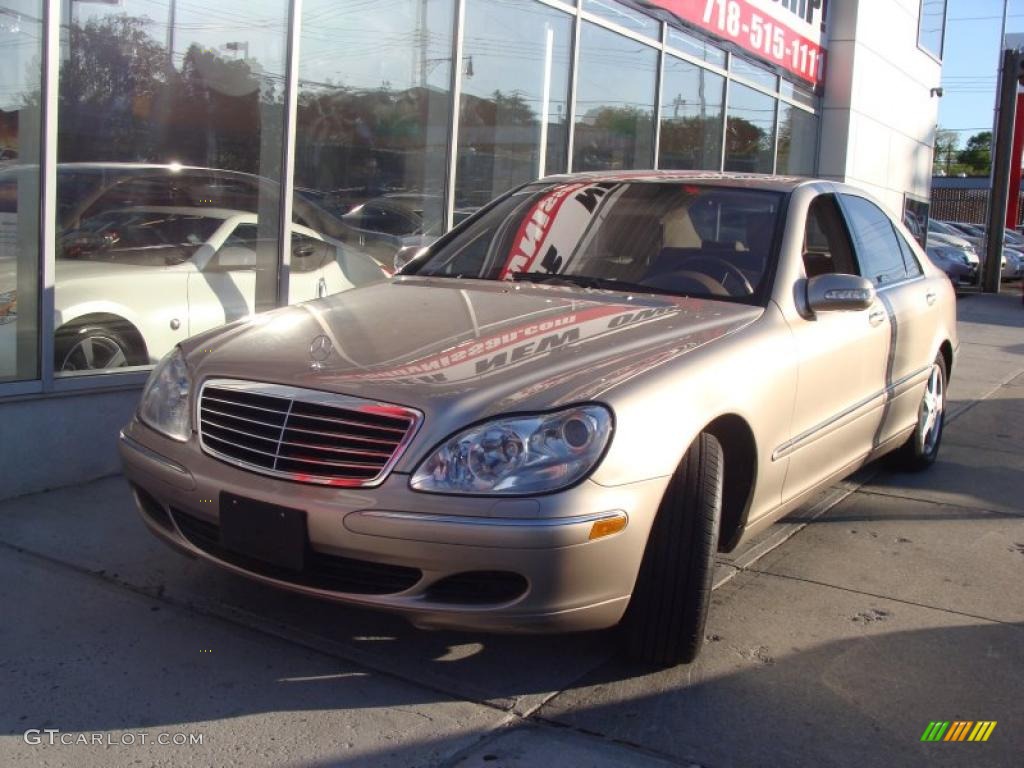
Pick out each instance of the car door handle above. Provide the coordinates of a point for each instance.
(876, 317)
(930, 297)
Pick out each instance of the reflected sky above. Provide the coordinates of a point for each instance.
(20, 42)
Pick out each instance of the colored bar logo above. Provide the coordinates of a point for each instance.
(958, 730)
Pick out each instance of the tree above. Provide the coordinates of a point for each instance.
(977, 155)
(947, 143)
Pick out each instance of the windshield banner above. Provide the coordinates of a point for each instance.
(556, 224)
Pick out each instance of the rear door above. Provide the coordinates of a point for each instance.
(910, 299)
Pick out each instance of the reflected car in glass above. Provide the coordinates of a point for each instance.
(394, 224)
(558, 413)
(133, 282)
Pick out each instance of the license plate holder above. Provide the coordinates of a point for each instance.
(268, 532)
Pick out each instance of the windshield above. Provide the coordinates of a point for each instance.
(138, 237)
(679, 238)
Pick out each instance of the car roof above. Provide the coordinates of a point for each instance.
(208, 213)
(710, 178)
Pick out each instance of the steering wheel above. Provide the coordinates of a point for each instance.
(730, 273)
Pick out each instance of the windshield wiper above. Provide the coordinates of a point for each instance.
(586, 281)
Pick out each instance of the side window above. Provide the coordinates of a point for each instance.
(878, 251)
(238, 251)
(910, 262)
(244, 235)
(827, 246)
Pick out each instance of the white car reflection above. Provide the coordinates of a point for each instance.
(132, 283)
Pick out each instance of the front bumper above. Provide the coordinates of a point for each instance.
(416, 545)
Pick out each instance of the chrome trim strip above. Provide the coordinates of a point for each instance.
(508, 522)
(315, 396)
(151, 454)
(812, 434)
(309, 446)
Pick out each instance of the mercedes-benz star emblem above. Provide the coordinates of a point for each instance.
(319, 351)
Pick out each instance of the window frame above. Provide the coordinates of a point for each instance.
(942, 35)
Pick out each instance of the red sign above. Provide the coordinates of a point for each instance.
(784, 32)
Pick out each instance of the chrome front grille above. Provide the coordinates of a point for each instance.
(302, 434)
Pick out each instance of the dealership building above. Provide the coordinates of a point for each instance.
(167, 166)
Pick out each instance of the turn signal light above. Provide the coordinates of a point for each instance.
(608, 526)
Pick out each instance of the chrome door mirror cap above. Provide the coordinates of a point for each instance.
(838, 293)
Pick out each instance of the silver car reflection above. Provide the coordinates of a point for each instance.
(559, 412)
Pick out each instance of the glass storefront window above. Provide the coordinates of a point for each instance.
(691, 117)
(798, 141)
(931, 28)
(374, 118)
(696, 47)
(170, 127)
(624, 16)
(798, 94)
(750, 130)
(21, 34)
(514, 106)
(614, 102)
(752, 72)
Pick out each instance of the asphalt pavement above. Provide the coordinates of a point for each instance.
(889, 602)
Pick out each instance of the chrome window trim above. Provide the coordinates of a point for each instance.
(316, 396)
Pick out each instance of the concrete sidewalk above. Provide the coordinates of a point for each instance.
(892, 601)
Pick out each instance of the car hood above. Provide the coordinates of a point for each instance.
(465, 348)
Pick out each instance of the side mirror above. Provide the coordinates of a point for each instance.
(405, 254)
(839, 293)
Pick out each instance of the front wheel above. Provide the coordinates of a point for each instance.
(93, 348)
(664, 622)
(922, 446)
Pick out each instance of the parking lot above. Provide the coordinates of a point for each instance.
(889, 602)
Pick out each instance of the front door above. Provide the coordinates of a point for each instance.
(842, 365)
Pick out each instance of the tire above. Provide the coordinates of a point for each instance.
(93, 348)
(922, 447)
(664, 622)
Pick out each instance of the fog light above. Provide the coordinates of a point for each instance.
(608, 526)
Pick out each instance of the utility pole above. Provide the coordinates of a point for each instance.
(1010, 75)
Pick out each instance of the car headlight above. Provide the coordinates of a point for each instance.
(517, 455)
(164, 405)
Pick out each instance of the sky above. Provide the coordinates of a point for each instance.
(970, 61)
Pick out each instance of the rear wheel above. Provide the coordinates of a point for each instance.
(664, 623)
(922, 446)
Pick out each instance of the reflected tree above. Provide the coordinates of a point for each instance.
(121, 100)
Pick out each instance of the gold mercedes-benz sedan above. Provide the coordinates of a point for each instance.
(554, 416)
